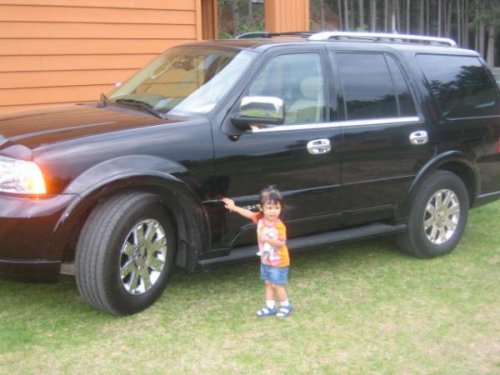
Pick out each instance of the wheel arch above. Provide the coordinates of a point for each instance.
(179, 200)
(454, 162)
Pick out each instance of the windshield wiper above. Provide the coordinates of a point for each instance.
(139, 104)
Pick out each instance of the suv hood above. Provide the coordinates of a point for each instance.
(33, 128)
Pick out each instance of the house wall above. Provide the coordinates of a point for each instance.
(60, 51)
(287, 15)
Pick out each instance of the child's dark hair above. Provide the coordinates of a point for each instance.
(271, 194)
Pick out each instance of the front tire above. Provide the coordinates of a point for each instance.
(437, 217)
(125, 254)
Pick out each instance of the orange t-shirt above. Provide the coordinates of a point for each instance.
(271, 255)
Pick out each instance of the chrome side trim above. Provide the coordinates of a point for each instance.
(338, 124)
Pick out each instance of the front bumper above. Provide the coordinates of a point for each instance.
(27, 229)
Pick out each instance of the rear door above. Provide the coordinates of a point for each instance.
(385, 139)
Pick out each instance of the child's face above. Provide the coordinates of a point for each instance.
(271, 210)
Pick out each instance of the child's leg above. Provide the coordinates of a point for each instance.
(269, 291)
(280, 293)
(270, 307)
(285, 307)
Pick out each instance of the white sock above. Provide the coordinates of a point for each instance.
(270, 304)
(285, 303)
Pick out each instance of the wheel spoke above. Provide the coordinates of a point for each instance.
(139, 233)
(429, 223)
(128, 249)
(439, 200)
(442, 238)
(134, 282)
(430, 208)
(158, 246)
(127, 269)
(156, 264)
(149, 232)
(146, 279)
(450, 224)
(448, 198)
(453, 210)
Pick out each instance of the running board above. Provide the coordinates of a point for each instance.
(303, 243)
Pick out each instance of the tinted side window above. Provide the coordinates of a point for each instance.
(460, 85)
(404, 98)
(297, 79)
(367, 84)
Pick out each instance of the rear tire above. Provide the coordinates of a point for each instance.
(437, 217)
(125, 254)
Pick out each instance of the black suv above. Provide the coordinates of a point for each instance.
(365, 134)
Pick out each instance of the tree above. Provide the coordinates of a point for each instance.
(472, 23)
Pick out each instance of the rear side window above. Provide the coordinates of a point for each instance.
(460, 85)
(373, 86)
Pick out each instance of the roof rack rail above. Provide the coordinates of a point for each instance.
(266, 34)
(383, 37)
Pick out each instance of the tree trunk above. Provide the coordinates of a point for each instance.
(465, 38)
(481, 29)
(395, 17)
(490, 54)
(373, 15)
(386, 15)
(448, 19)
(421, 17)
(347, 26)
(322, 4)
(236, 16)
(427, 17)
(408, 16)
(340, 15)
(361, 10)
(440, 17)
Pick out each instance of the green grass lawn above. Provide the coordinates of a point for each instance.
(362, 308)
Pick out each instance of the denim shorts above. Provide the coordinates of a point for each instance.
(275, 275)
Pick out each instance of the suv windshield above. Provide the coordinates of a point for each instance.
(185, 80)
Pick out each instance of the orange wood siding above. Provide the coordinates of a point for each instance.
(287, 15)
(59, 51)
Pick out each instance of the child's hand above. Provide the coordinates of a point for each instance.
(263, 238)
(229, 204)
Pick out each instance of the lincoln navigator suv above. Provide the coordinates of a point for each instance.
(365, 135)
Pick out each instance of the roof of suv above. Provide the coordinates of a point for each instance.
(257, 40)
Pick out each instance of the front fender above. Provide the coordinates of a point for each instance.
(144, 173)
(122, 168)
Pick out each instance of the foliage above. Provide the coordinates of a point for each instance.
(239, 16)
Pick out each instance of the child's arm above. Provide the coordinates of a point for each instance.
(276, 237)
(272, 241)
(231, 206)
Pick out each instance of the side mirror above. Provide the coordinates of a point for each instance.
(260, 110)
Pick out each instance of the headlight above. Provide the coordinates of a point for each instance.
(21, 177)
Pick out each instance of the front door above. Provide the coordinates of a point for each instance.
(285, 155)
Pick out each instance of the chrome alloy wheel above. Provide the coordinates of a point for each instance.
(441, 216)
(143, 256)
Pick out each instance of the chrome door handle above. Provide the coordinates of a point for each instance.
(319, 146)
(419, 137)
